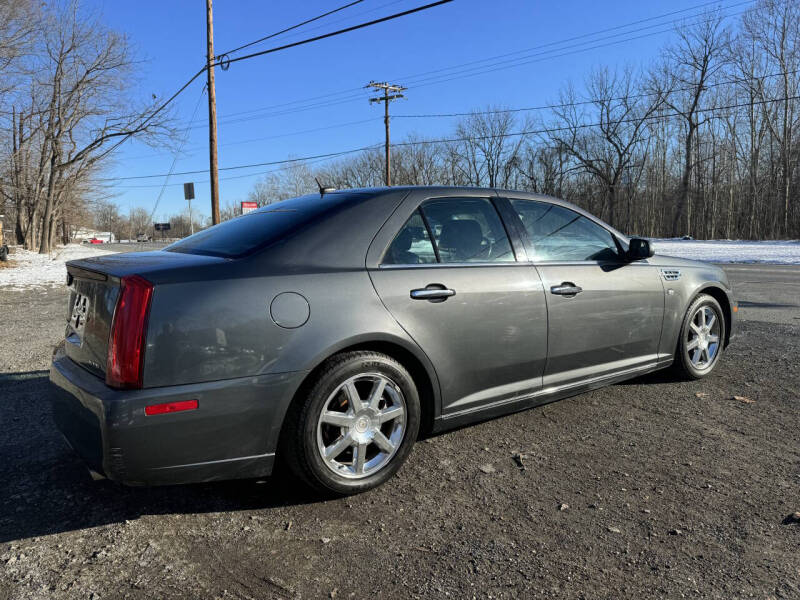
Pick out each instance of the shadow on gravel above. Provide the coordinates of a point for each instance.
(660, 376)
(46, 489)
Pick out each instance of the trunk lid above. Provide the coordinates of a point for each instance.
(94, 285)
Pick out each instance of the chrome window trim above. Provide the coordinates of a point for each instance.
(510, 263)
(530, 263)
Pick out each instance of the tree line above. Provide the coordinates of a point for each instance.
(66, 98)
(703, 142)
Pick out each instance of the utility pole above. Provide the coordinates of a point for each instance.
(386, 98)
(212, 117)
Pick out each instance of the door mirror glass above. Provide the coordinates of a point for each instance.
(639, 249)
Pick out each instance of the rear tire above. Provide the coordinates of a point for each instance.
(701, 340)
(354, 426)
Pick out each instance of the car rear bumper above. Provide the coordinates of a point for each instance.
(232, 434)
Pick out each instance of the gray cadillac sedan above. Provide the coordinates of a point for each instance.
(329, 330)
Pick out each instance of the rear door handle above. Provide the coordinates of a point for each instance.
(434, 292)
(567, 288)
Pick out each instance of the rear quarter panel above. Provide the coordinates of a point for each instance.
(214, 330)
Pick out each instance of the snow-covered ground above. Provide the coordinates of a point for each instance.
(29, 269)
(784, 252)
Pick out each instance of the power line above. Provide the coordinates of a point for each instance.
(156, 111)
(217, 62)
(546, 55)
(589, 101)
(462, 139)
(434, 81)
(286, 30)
(587, 35)
(177, 153)
(317, 38)
(352, 95)
(264, 138)
(257, 174)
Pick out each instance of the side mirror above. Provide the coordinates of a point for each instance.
(639, 249)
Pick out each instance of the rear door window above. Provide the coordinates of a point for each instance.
(451, 230)
(412, 245)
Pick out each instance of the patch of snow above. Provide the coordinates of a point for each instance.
(781, 252)
(31, 269)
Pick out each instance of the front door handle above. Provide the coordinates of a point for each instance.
(435, 292)
(567, 288)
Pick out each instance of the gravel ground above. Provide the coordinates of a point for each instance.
(650, 488)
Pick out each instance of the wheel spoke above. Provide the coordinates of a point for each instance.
(713, 339)
(703, 317)
(339, 446)
(353, 397)
(704, 352)
(390, 413)
(382, 442)
(696, 356)
(711, 318)
(692, 345)
(377, 393)
(337, 418)
(359, 455)
(694, 327)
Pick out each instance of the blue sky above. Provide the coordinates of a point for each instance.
(328, 76)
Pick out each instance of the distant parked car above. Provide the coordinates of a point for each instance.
(142, 237)
(327, 331)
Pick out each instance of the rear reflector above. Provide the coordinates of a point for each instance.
(128, 333)
(170, 407)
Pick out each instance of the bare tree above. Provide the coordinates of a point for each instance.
(489, 147)
(773, 28)
(682, 79)
(76, 105)
(19, 20)
(608, 150)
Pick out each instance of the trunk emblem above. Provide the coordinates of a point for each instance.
(79, 312)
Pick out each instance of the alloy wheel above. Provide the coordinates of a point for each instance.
(703, 337)
(361, 425)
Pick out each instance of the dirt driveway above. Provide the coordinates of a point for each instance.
(646, 489)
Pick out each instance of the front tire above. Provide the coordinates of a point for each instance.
(355, 426)
(702, 338)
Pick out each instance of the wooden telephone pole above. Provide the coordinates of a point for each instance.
(386, 98)
(212, 117)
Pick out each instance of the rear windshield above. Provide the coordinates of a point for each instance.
(251, 232)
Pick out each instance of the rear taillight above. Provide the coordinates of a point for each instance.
(128, 333)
